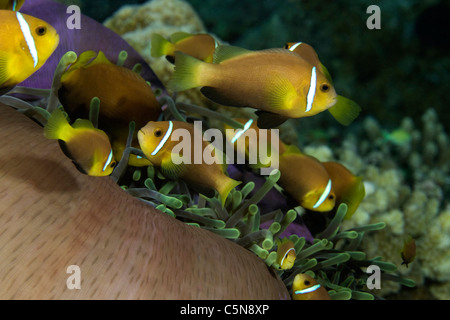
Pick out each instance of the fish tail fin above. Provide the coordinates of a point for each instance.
(345, 110)
(186, 74)
(160, 46)
(57, 126)
(225, 188)
(354, 196)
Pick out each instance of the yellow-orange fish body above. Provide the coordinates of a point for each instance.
(344, 110)
(408, 251)
(156, 140)
(124, 95)
(276, 81)
(348, 188)
(88, 147)
(306, 180)
(14, 5)
(247, 143)
(305, 287)
(26, 43)
(200, 46)
(286, 254)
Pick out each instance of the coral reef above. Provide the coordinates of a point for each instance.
(406, 174)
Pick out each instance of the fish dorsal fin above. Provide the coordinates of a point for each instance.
(345, 110)
(100, 59)
(292, 148)
(178, 36)
(83, 59)
(223, 53)
(83, 123)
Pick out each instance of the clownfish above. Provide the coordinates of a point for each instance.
(14, 5)
(285, 254)
(124, 97)
(247, 143)
(408, 251)
(348, 188)
(159, 144)
(25, 45)
(344, 110)
(278, 82)
(306, 180)
(305, 287)
(88, 147)
(200, 46)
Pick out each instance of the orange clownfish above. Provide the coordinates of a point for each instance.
(344, 110)
(305, 287)
(177, 159)
(278, 82)
(286, 254)
(348, 188)
(88, 147)
(408, 251)
(306, 180)
(124, 97)
(26, 43)
(249, 141)
(200, 46)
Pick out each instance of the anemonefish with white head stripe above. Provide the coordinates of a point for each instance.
(278, 82)
(306, 180)
(88, 147)
(25, 45)
(344, 110)
(177, 158)
(305, 287)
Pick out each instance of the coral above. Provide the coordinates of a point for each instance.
(137, 24)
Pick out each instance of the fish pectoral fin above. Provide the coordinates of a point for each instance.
(171, 170)
(281, 93)
(268, 120)
(3, 68)
(345, 110)
(214, 95)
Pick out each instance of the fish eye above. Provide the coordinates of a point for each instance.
(324, 87)
(41, 30)
(306, 283)
(331, 197)
(158, 132)
(113, 164)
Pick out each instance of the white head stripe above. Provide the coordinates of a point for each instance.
(110, 157)
(28, 37)
(14, 5)
(324, 195)
(307, 290)
(295, 46)
(240, 132)
(312, 90)
(164, 139)
(285, 255)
